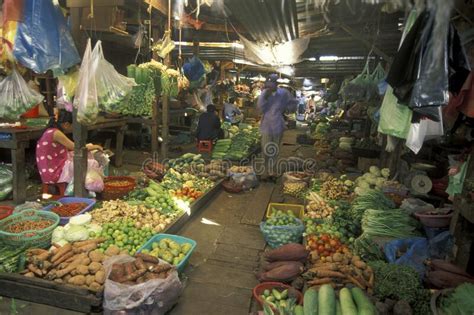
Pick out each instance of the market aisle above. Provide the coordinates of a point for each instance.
(221, 271)
(221, 274)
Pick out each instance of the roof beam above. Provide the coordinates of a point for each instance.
(369, 45)
(160, 5)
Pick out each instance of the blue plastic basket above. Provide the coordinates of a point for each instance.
(66, 200)
(178, 239)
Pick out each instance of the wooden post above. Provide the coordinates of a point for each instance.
(154, 127)
(119, 146)
(80, 156)
(19, 179)
(165, 104)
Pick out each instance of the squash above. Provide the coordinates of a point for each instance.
(347, 304)
(326, 300)
(310, 302)
(364, 306)
(298, 310)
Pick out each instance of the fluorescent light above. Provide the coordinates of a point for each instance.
(328, 58)
(324, 80)
(283, 80)
(212, 44)
(312, 59)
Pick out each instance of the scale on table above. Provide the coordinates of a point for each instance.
(417, 181)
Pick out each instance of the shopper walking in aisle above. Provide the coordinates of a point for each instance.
(273, 103)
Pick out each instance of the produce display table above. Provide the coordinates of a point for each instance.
(20, 140)
(50, 293)
(196, 206)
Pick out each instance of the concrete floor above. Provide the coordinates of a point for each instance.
(221, 272)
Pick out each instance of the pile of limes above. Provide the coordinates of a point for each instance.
(124, 235)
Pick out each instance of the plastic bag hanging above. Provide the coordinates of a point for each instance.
(164, 46)
(16, 96)
(43, 40)
(86, 99)
(112, 87)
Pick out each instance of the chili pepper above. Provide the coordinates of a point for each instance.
(69, 209)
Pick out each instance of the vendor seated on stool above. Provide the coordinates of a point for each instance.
(209, 125)
(52, 149)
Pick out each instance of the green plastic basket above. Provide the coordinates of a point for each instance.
(30, 238)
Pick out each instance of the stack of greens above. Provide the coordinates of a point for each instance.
(374, 199)
(394, 223)
(460, 301)
(221, 148)
(12, 259)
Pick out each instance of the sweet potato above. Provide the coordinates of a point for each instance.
(134, 276)
(443, 279)
(269, 266)
(292, 251)
(139, 264)
(94, 267)
(117, 272)
(147, 258)
(96, 256)
(285, 273)
(82, 270)
(129, 268)
(100, 277)
(438, 264)
(112, 250)
(89, 279)
(77, 280)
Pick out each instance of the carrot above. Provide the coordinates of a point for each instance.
(35, 270)
(85, 248)
(63, 258)
(371, 280)
(329, 273)
(354, 281)
(92, 241)
(320, 281)
(36, 251)
(61, 251)
(43, 256)
(76, 262)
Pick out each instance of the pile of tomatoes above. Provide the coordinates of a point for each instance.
(324, 245)
(188, 193)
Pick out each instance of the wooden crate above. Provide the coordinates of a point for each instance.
(49, 293)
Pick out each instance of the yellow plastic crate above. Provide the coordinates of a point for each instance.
(298, 210)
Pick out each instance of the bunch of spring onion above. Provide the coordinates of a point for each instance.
(394, 223)
(374, 199)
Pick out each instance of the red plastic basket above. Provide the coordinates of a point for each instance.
(112, 192)
(5, 211)
(258, 291)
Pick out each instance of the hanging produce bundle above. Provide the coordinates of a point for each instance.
(362, 88)
(140, 101)
(16, 97)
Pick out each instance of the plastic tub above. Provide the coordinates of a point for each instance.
(434, 220)
(178, 239)
(66, 200)
(298, 210)
(292, 292)
(5, 211)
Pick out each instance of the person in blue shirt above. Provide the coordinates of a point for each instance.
(273, 103)
(231, 113)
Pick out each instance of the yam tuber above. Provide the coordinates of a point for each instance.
(77, 280)
(82, 270)
(96, 256)
(117, 272)
(139, 264)
(292, 251)
(89, 279)
(94, 267)
(147, 258)
(129, 268)
(113, 250)
(100, 277)
(95, 287)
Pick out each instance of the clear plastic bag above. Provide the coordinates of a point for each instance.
(278, 235)
(16, 96)
(112, 87)
(154, 297)
(94, 177)
(86, 99)
(424, 130)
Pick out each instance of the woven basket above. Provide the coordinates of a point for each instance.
(30, 238)
(112, 192)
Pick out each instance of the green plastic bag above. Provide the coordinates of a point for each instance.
(395, 118)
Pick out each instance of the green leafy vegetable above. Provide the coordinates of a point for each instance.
(460, 302)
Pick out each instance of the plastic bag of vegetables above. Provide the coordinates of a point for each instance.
(278, 235)
(86, 100)
(155, 296)
(112, 87)
(16, 97)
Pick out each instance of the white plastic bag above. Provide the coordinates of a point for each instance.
(112, 87)
(424, 130)
(154, 297)
(16, 96)
(94, 177)
(86, 98)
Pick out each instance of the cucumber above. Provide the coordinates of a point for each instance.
(338, 308)
(347, 304)
(299, 310)
(284, 294)
(364, 306)
(310, 302)
(326, 300)
(276, 294)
